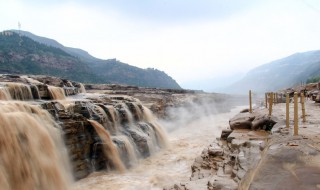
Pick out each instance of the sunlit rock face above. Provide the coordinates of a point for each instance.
(99, 131)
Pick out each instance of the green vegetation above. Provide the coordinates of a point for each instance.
(22, 55)
(313, 79)
(113, 71)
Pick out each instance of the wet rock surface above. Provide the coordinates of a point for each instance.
(130, 125)
(120, 110)
(223, 164)
(160, 100)
(267, 156)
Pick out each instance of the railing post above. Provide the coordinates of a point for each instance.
(303, 107)
(295, 118)
(266, 97)
(287, 110)
(250, 102)
(270, 102)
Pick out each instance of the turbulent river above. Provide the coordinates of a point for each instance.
(187, 138)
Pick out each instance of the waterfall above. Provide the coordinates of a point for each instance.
(113, 113)
(32, 154)
(129, 154)
(138, 111)
(109, 149)
(126, 115)
(112, 119)
(17, 91)
(56, 93)
(100, 132)
(99, 111)
(35, 92)
(4, 94)
(82, 88)
(160, 133)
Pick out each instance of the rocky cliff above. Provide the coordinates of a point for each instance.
(101, 132)
(106, 127)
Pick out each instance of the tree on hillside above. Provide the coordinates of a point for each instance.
(313, 79)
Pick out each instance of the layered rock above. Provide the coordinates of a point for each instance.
(224, 164)
(159, 101)
(133, 130)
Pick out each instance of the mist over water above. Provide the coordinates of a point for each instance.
(190, 129)
(129, 147)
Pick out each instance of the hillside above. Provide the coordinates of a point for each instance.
(50, 42)
(31, 54)
(134, 75)
(279, 74)
(22, 55)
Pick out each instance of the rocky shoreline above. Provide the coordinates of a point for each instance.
(258, 152)
(120, 112)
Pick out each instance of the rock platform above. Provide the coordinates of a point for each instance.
(266, 156)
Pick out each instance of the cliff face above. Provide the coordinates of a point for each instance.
(30, 54)
(101, 132)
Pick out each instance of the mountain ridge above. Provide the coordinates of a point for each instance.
(98, 70)
(279, 74)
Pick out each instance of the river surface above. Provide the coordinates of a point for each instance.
(169, 165)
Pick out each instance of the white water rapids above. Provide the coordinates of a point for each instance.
(169, 165)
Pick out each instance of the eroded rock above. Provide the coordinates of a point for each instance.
(253, 121)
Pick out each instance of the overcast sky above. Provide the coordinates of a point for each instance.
(191, 40)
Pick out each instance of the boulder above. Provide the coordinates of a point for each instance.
(263, 122)
(251, 121)
(242, 121)
(225, 133)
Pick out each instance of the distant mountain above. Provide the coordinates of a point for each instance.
(280, 74)
(30, 54)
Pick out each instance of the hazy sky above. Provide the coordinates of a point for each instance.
(191, 40)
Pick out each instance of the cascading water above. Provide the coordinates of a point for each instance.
(127, 116)
(109, 149)
(100, 133)
(56, 93)
(32, 155)
(138, 130)
(4, 94)
(171, 165)
(18, 91)
(82, 88)
(136, 111)
(35, 92)
(162, 137)
(129, 152)
(114, 114)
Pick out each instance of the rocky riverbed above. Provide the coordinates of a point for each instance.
(259, 152)
(109, 128)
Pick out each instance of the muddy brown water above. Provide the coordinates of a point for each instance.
(166, 166)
